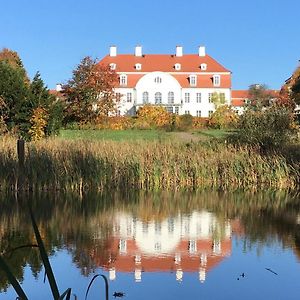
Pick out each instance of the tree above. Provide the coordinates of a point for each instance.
(12, 58)
(13, 92)
(218, 99)
(259, 96)
(45, 111)
(294, 86)
(223, 118)
(90, 92)
(270, 128)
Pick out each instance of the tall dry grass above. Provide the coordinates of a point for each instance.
(54, 164)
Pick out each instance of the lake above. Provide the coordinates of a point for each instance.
(182, 245)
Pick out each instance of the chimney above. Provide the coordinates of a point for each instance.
(179, 51)
(138, 51)
(201, 51)
(58, 87)
(112, 51)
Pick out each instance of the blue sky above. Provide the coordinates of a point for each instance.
(258, 40)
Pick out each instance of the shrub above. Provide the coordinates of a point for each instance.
(154, 116)
(38, 123)
(200, 122)
(269, 128)
(184, 122)
(223, 118)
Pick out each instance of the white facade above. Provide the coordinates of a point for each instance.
(193, 101)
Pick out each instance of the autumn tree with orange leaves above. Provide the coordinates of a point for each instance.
(90, 92)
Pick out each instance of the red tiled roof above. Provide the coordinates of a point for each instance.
(163, 62)
(240, 94)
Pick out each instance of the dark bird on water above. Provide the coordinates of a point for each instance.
(118, 294)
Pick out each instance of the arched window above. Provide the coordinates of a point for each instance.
(171, 98)
(177, 67)
(145, 97)
(158, 98)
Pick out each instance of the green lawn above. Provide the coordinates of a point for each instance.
(146, 135)
(214, 133)
(115, 135)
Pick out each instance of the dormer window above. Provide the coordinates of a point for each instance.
(193, 80)
(138, 66)
(113, 66)
(177, 67)
(203, 67)
(157, 79)
(216, 80)
(123, 79)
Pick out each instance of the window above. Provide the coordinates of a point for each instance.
(187, 97)
(171, 225)
(198, 113)
(169, 109)
(192, 246)
(198, 97)
(170, 97)
(187, 112)
(157, 246)
(118, 97)
(157, 79)
(122, 246)
(216, 80)
(210, 97)
(157, 228)
(123, 79)
(210, 112)
(138, 66)
(129, 97)
(158, 98)
(222, 98)
(193, 80)
(145, 97)
(216, 247)
(203, 67)
(176, 110)
(177, 67)
(113, 66)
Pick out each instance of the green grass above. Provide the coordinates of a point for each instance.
(114, 135)
(215, 133)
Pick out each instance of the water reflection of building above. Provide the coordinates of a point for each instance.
(185, 243)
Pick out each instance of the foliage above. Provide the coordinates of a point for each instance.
(19, 98)
(12, 58)
(259, 96)
(38, 122)
(13, 94)
(89, 93)
(218, 99)
(150, 116)
(200, 122)
(223, 118)
(184, 122)
(269, 128)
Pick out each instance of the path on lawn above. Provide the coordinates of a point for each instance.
(187, 136)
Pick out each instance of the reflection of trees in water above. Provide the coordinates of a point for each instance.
(83, 225)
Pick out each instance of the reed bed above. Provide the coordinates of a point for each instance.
(56, 164)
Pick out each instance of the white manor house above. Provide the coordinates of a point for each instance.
(182, 83)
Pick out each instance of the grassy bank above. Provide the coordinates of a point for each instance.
(81, 164)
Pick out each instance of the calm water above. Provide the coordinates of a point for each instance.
(208, 245)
